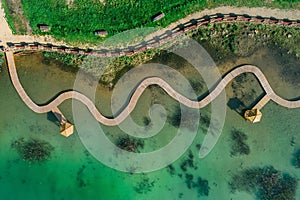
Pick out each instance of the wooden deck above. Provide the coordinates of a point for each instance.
(270, 95)
(262, 102)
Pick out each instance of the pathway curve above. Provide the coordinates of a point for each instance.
(6, 35)
(271, 95)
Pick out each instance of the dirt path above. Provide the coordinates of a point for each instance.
(7, 36)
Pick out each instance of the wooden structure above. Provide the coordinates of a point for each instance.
(66, 128)
(253, 115)
(101, 33)
(43, 27)
(151, 43)
(158, 16)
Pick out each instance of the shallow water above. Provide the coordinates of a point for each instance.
(72, 173)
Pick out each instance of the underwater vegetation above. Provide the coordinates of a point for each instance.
(238, 145)
(33, 150)
(144, 186)
(267, 183)
(296, 159)
(130, 144)
(176, 120)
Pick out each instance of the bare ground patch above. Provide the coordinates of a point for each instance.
(20, 21)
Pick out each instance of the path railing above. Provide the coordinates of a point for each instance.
(157, 40)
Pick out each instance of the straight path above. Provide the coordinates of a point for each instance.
(270, 94)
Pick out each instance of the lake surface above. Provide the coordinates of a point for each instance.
(73, 173)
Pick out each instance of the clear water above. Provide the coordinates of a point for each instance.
(72, 173)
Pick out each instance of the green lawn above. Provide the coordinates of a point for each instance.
(77, 22)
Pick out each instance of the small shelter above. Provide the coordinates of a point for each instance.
(253, 115)
(43, 27)
(101, 33)
(158, 16)
(66, 129)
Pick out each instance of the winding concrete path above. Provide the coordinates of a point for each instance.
(270, 94)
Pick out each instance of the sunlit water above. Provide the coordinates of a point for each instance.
(72, 173)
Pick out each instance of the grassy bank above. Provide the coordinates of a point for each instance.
(76, 22)
(242, 39)
(15, 16)
(222, 41)
(69, 60)
(114, 68)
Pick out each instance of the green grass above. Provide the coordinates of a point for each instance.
(76, 22)
(243, 39)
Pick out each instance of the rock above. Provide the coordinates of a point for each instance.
(289, 35)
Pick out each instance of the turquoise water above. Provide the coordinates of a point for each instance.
(72, 173)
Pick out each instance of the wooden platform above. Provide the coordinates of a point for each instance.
(270, 95)
(262, 102)
(66, 128)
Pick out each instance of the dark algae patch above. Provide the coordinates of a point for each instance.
(33, 150)
(200, 184)
(79, 177)
(177, 120)
(130, 144)
(144, 186)
(267, 183)
(238, 143)
(296, 159)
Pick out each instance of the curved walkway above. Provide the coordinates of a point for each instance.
(140, 89)
(155, 39)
